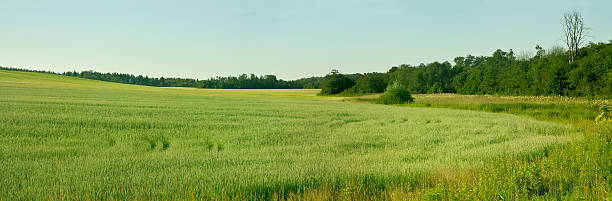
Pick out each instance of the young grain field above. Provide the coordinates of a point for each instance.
(64, 138)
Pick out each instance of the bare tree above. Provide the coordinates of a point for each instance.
(575, 32)
(556, 50)
(525, 55)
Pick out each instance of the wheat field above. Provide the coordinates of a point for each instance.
(65, 138)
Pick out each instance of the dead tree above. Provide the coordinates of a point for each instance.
(575, 31)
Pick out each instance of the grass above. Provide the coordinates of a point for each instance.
(67, 138)
(577, 171)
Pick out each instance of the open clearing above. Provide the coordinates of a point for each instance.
(71, 138)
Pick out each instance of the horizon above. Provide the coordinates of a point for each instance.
(291, 40)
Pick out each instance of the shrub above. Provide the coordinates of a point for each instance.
(396, 93)
(335, 82)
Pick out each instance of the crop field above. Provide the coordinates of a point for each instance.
(65, 138)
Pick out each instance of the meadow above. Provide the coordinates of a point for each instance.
(580, 170)
(66, 138)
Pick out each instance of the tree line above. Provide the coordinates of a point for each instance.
(230, 82)
(259, 82)
(243, 81)
(548, 72)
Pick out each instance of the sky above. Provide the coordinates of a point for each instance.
(287, 38)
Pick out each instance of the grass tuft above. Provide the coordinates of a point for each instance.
(165, 142)
(152, 142)
(220, 147)
(209, 144)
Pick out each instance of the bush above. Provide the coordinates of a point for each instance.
(395, 93)
(334, 83)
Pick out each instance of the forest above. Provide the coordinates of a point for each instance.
(548, 72)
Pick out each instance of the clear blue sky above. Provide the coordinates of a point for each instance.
(292, 39)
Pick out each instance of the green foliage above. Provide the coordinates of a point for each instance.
(438, 193)
(605, 115)
(252, 81)
(395, 93)
(548, 73)
(435, 89)
(335, 82)
(366, 84)
(434, 77)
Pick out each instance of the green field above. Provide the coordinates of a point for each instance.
(65, 138)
